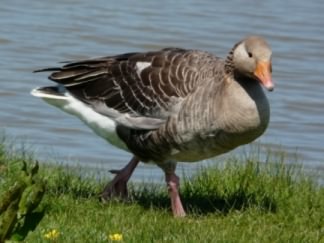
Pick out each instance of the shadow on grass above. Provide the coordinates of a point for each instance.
(30, 224)
(200, 204)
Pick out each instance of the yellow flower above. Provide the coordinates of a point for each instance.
(116, 237)
(51, 235)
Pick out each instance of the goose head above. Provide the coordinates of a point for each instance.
(252, 58)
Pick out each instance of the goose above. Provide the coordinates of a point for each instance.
(168, 106)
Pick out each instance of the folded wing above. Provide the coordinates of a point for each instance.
(137, 90)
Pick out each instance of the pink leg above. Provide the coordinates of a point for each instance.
(118, 186)
(172, 181)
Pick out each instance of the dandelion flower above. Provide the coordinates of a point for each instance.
(51, 235)
(116, 237)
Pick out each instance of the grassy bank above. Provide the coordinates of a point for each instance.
(242, 202)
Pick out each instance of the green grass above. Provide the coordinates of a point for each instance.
(244, 201)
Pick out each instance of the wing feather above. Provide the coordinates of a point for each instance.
(138, 90)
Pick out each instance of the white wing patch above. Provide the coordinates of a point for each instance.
(140, 66)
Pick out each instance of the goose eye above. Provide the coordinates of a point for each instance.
(250, 54)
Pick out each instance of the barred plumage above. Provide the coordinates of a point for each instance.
(169, 105)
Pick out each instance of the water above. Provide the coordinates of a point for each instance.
(38, 34)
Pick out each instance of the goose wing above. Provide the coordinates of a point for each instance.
(137, 90)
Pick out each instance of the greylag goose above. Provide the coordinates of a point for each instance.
(168, 106)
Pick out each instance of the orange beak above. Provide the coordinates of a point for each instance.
(263, 73)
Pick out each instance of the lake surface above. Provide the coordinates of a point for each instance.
(36, 34)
